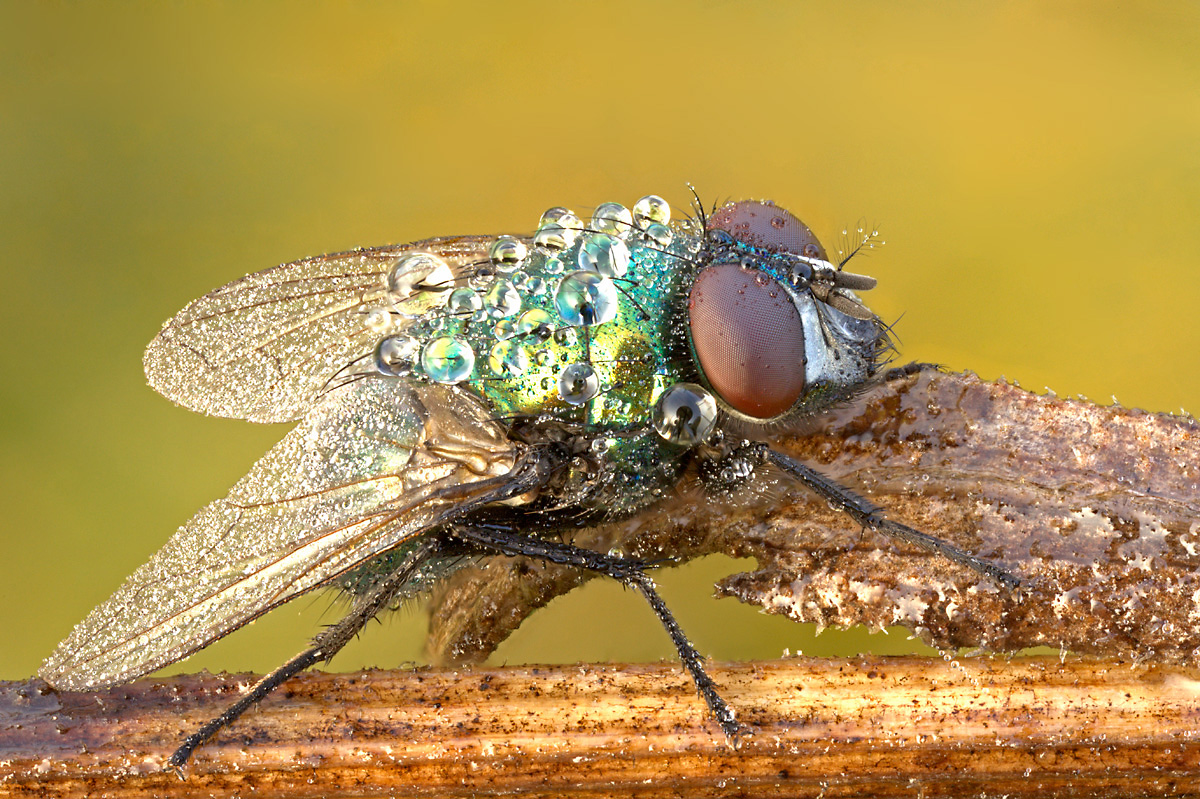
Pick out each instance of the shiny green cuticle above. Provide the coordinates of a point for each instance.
(583, 323)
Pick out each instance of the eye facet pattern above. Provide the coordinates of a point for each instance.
(748, 338)
(766, 225)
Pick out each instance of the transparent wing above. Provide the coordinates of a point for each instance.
(374, 464)
(262, 348)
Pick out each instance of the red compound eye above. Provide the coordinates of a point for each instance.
(748, 339)
(765, 224)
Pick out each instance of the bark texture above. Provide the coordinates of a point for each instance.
(1095, 508)
(821, 727)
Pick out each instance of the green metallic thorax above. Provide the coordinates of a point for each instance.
(637, 354)
(629, 353)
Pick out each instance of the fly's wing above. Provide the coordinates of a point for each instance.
(373, 465)
(262, 348)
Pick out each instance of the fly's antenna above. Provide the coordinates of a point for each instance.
(863, 243)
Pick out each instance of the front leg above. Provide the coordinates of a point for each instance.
(734, 469)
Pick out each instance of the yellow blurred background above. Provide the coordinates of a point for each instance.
(1034, 168)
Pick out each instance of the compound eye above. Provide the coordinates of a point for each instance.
(748, 339)
(764, 224)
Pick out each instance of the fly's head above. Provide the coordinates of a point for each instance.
(774, 329)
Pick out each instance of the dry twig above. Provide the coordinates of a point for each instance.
(822, 727)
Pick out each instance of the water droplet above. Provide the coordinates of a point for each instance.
(554, 266)
(378, 320)
(659, 234)
(502, 299)
(504, 329)
(604, 254)
(685, 414)
(482, 277)
(536, 286)
(507, 253)
(396, 356)
(651, 209)
(566, 337)
(612, 218)
(578, 383)
(554, 236)
(586, 298)
(537, 322)
(801, 275)
(416, 272)
(508, 358)
(552, 215)
(448, 359)
(464, 302)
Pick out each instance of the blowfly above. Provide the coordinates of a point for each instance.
(477, 395)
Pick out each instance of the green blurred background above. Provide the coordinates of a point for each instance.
(1034, 167)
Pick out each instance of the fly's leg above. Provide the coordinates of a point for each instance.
(324, 646)
(631, 572)
(530, 472)
(871, 516)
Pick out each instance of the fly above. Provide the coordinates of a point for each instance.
(484, 395)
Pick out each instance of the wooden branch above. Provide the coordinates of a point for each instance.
(1095, 508)
(821, 727)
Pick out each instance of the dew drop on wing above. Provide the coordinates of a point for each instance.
(263, 347)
